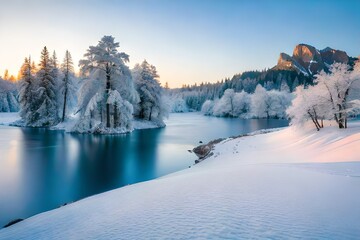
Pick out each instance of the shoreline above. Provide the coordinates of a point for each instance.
(262, 131)
(272, 174)
(12, 118)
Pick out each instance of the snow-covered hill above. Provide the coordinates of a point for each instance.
(293, 183)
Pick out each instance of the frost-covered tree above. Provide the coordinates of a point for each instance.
(8, 93)
(309, 105)
(54, 66)
(277, 103)
(260, 103)
(339, 85)
(46, 107)
(104, 71)
(26, 95)
(208, 108)
(68, 85)
(122, 110)
(242, 104)
(225, 106)
(176, 102)
(334, 97)
(151, 106)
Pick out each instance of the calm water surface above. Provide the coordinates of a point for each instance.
(42, 169)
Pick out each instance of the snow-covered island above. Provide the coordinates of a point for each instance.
(108, 97)
(291, 183)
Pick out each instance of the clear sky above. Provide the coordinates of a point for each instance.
(188, 41)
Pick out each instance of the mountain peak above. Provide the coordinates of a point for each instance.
(327, 49)
(309, 60)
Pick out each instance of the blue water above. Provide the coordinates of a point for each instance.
(43, 169)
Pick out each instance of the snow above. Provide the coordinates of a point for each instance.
(8, 117)
(301, 69)
(292, 183)
(260, 104)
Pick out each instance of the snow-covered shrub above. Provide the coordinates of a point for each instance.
(175, 101)
(242, 103)
(225, 106)
(207, 107)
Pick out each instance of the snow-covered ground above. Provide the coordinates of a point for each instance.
(292, 183)
(8, 117)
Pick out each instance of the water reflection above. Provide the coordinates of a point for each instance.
(41, 169)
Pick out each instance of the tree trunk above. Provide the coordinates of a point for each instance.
(65, 102)
(341, 118)
(150, 113)
(116, 117)
(107, 95)
(315, 122)
(142, 115)
(316, 118)
(91, 116)
(345, 122)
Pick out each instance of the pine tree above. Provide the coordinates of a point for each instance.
(67, 85)
(151, 106)
(26, 97)
(104, 71)
(46, 109)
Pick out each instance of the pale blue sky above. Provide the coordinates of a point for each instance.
(188, 41)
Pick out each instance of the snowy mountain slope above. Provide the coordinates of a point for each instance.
(293, 183)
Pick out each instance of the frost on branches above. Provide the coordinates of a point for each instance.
(67, 98)
(42, 94)
(260, 104)
(26, 95)
(152, 106)
(107, 93)
(334, 97)
(8, 93)
(38, 92)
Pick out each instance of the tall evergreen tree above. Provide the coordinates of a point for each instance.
(26, 96)
(46, 110)
(151, 106)
(67, 68)
(107, 85)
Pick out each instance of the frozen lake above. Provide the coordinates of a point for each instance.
(42, 169)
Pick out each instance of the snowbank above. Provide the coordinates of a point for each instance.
(292, 183)
(7, 118)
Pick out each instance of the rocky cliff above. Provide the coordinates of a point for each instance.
(308, 60)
